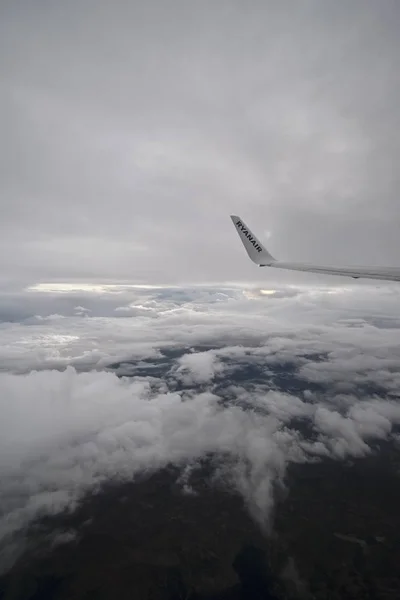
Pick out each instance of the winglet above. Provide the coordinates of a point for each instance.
(254, 247)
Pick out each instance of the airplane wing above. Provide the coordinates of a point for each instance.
(261, 257)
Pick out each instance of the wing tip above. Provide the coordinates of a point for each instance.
(254, 248)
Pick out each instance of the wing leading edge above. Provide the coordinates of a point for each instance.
(261, 257)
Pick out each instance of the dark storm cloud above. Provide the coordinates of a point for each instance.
(131, 131)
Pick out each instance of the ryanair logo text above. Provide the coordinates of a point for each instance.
(243, 229)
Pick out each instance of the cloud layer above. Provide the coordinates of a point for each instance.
(123, 153)
(256, 379)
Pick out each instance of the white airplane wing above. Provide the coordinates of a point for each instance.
(261, 257)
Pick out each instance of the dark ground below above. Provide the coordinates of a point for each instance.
(335, 534)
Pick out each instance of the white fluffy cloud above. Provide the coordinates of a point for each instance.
(63, 433)
(199, 367)
(245, 368)
(345, 322)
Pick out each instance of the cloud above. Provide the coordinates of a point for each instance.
(65, 433)
(123, 156)
(288, 328)
(257, 381)
(200, 367)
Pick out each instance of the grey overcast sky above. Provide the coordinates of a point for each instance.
(131, 130)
